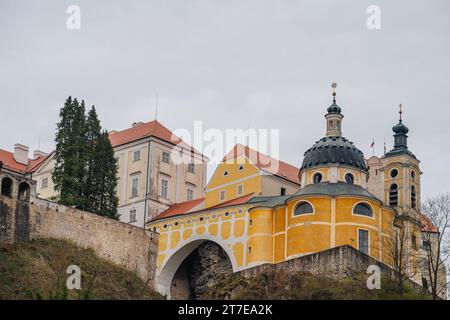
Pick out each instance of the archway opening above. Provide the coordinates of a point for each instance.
(6, 187)
(24, 191)
(190, 272)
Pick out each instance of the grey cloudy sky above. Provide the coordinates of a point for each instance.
(229, 63)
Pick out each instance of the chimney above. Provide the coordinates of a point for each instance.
(38, 153)
(21, 153)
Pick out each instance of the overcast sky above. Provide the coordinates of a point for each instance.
(231, 63)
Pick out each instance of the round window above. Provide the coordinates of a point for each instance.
(349, 178)
(394, 173)
(317, 177)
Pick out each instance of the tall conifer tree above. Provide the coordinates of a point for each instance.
(86, 170)
(70, 153)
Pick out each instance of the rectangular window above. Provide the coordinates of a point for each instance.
(44, 183)
(222, 195)
(165, 157)
(134, 186)
(190, 194)
(133, 215)
(363, 241)
(426, 245)
(137, 155)
(240, 189)
(191, 168)
(164, 188)
(283, 191)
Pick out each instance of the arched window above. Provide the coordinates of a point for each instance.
(413, 197)
(363, 209)
(349, 178)
(413, 175)
(6, 187)
(393, 195)
(317, 177)
(303, 208)
(24, 191)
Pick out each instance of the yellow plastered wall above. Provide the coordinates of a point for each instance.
(248, 176)
(260, 234)
(310, 232)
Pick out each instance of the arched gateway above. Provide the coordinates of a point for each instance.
(202, 257)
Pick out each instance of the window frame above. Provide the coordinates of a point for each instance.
(389, 195)
(188, 192)
(349, 174)
(317, 174)
(242, 189)
(44, 185)
(224, 192)
(133, 213)
(296, 205)
(391, 171)
(368, 240)
(134, 177)
(136, 152)
(165, 157)
(164, 188)
(372, 210)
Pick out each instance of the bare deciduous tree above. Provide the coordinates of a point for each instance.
(398, 252)
(436, 246)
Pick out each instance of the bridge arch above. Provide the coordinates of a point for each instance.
(177, 256)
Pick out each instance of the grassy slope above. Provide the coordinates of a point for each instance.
(37, 270)
(304, 286)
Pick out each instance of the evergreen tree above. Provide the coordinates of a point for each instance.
(86, 170)
(93, 132)
(105, 178)
(70, 153)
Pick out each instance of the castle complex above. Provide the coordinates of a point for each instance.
(261, 216)
(256, 209)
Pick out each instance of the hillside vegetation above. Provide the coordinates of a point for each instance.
(305, 286)
(37, 270)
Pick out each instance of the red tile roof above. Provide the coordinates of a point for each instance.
(144, 130)
(11, 164)
(187, 207)
(234, 202)
(427, 224)
(179, 208)
(265, 162)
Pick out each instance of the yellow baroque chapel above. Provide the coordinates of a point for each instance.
(260, 210)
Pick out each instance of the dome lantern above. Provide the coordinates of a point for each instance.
(334, 117)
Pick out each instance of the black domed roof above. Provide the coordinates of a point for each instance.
(334, 150)
(400, 128)
(334, 108)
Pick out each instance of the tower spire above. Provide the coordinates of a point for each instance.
(334, 116)
(334, 85)
(400, 111)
